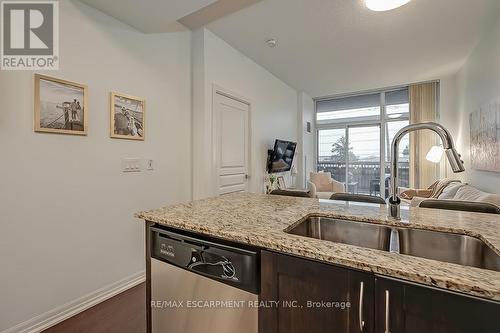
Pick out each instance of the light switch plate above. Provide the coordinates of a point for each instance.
(131, 165)
(149, 165)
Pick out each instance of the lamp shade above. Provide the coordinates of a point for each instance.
(435, 154)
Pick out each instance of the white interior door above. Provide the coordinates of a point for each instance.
(232, 140)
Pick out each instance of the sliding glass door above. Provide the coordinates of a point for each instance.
(354, 136)
(363, 167)
(352, 155)
(392, 128)
(331, 152)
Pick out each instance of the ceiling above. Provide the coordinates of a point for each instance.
(149, 16)
(157, 16)
(328, 47)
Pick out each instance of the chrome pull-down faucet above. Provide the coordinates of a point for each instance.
(457, 165)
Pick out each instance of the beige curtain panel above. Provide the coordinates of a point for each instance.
(423, 107)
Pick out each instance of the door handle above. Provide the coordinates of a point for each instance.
(361, 322)
(387, 303)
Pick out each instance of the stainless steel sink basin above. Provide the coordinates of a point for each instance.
(369, 235)
(443, 246)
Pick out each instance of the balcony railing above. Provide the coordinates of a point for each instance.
(364, 177)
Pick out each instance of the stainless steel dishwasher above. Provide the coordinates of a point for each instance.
(200, 286)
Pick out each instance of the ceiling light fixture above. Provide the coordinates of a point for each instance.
(384, 5)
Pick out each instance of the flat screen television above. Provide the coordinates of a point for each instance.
(281, 157)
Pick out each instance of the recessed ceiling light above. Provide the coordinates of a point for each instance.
(383, 5)
(272, 42)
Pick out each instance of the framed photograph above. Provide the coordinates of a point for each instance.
(60, 106)
(281, 183)
(127, 115)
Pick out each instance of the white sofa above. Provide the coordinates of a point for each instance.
(321, 185)
(458, 191)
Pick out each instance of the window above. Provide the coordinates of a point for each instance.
(354, 136)
(348, 109)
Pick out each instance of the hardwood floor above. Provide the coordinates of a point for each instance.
(123, 313)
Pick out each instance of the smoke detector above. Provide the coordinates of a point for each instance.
(272, 42)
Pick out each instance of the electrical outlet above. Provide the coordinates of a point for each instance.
(131, 165)
(149, 165)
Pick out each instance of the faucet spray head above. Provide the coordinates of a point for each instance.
(456, 163)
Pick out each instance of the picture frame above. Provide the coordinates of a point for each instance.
(281, 183)
(485, 137)
(127, 117)
(60, 106)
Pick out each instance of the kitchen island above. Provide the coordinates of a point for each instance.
(262, 221)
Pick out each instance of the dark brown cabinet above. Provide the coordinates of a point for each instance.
(389, 306)
(409, 308)
(305, 296)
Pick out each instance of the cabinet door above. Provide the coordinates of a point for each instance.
(389, 313)
(313, 297)
(416, 309)
(361, 296)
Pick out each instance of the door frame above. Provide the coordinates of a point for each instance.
(217, 89)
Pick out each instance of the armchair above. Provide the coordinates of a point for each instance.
(322, 186)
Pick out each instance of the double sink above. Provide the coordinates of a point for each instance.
(442, 246)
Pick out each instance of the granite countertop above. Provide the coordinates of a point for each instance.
(261, 220)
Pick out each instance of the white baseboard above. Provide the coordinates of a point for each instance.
(61, 313)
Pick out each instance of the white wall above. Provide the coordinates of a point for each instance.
(477, 82)
(67, 225)
(306, 150)
(273, 107)
(202, 181)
